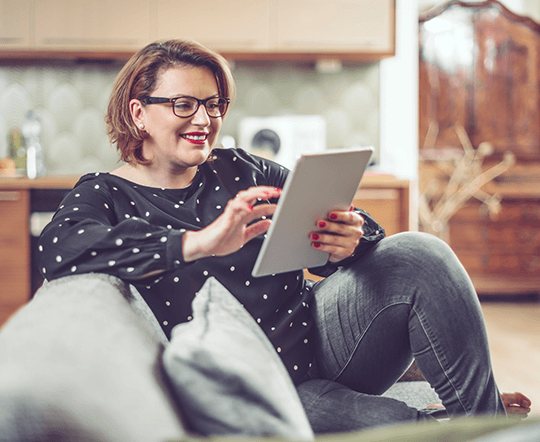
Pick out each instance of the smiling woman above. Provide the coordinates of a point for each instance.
(181, 211)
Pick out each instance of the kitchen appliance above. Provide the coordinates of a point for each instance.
(283, 138)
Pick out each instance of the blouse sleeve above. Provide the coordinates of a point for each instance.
(85, 236)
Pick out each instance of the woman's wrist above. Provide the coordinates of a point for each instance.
(191, 247)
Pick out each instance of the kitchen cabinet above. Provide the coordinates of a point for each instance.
(16, 268)
(339, 26)
(14, 246)
(96, 25)
(279, 27)
(361, 30)
(386, 200)
(240, 25)
(15, 24)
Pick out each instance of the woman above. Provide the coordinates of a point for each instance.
(179, 211)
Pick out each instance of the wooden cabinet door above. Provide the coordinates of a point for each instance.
(338, 26)
(237, 25)
(14, 24)
(14, 251)
(93, 25)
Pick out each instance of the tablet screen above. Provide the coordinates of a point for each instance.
(317, 184)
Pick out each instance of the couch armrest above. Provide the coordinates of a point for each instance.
(79, 363)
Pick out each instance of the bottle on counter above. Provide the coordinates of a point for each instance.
(17, 150)
(35, 159)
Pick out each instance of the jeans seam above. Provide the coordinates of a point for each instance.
(361, 337)
(454, 387)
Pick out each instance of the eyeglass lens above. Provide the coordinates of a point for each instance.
(187, 106)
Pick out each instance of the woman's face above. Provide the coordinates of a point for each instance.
(174, 143)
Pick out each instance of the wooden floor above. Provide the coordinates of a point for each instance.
(514, 338)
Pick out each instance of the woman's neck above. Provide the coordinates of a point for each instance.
(146, 176)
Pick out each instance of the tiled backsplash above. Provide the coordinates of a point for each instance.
(71, 100)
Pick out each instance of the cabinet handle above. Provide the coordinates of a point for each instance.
(10, 196)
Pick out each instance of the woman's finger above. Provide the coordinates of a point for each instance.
(348, 217)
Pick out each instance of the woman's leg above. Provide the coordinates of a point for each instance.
(407, 297)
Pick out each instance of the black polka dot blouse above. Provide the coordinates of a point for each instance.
(107, 224)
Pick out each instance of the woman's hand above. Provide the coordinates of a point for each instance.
(516, 404)
(230, 231)
(339, 234)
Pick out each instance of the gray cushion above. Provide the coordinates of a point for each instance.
(228, 376)
(77, 363)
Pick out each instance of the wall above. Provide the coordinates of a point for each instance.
(71, 100)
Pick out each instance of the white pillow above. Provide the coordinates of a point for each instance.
(227, 376)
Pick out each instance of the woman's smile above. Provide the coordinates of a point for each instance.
(195, 137)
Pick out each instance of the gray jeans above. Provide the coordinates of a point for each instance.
(409, 296)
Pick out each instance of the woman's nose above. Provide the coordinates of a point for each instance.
(201, 116)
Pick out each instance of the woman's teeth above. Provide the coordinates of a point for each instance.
(195, 137)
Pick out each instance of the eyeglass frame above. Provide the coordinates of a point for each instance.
(158, 100)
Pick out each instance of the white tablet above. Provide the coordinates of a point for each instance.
(319, 183)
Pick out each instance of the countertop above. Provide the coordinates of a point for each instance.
(370, 180)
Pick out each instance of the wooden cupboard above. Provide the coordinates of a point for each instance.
(15, 238)
(351, 29)
(339, 26)
(14, 244)
(242, 25)
(386, 199)
(97, 25)
(15, 24)
(479, 69)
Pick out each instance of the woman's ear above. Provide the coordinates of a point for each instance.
(136, 110)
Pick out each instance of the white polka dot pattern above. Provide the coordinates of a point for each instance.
(132, 231)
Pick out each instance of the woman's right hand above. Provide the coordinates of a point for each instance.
(230, 231)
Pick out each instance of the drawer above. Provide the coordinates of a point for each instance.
(389, 207)
(509, 235)
(511, 211)
(500, 263)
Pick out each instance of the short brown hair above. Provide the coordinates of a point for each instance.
(138, 79)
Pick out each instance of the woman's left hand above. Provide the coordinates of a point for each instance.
(339, 234)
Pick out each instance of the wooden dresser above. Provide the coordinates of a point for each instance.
(384, 197)
(480, 69)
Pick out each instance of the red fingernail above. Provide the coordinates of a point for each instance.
(333, 216)
(316, 245)
(250, 208)
(315, 237)
(352, 208)
(322, 224)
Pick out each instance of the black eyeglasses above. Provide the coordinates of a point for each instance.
(185, 106)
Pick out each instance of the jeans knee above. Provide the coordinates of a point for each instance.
(418, 248)
(411, 257)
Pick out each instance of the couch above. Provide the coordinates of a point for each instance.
(85, 360)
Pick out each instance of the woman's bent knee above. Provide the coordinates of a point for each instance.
(412, 252)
